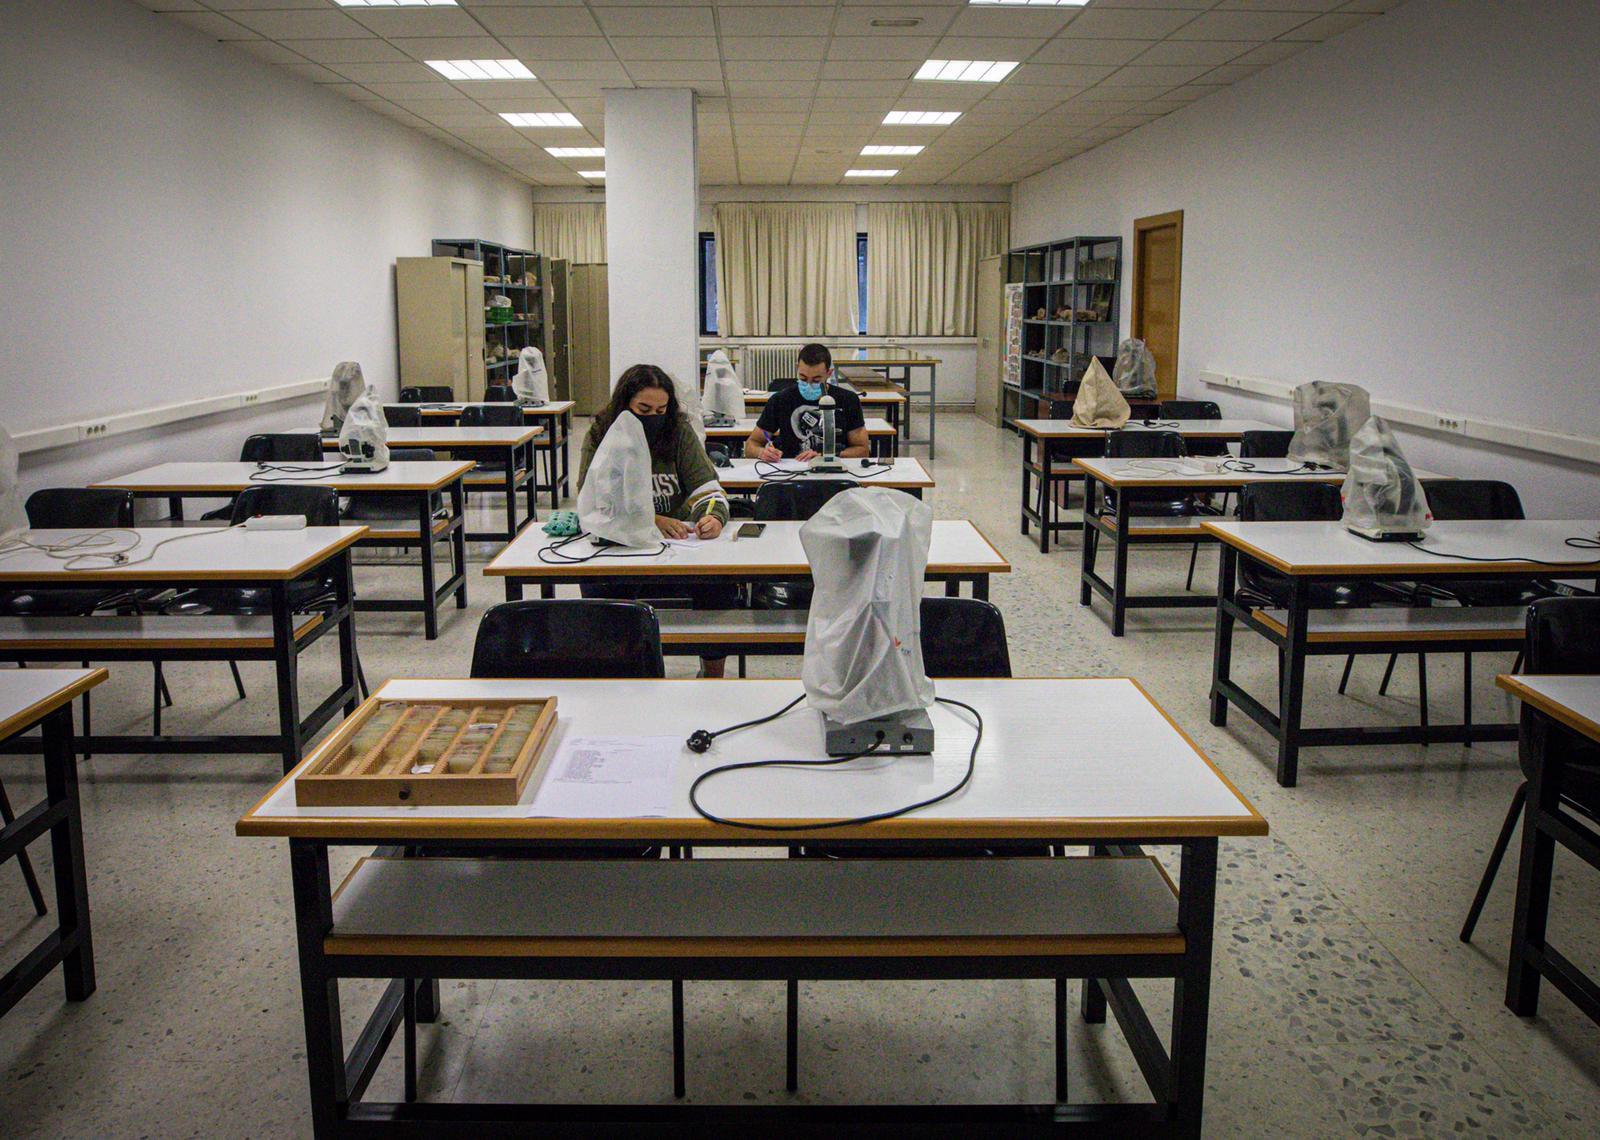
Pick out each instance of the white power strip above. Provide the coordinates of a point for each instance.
(275, 522)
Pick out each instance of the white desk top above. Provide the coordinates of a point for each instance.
(201, 554)
(1039, 773)
(870, 396)
(876, 425)
(453, 435)
(28, 694)
(1328, 548)
(1206, 471)
(549, 408)
(1188, 429)
(957, 547)
(903, 473)
(228, 477)
(886, 354)
(1572, 700)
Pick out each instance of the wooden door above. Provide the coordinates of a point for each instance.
(991, 336)
(560, 362)
(1157, 281)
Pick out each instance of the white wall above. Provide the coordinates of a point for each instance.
(1411, 206)
(181, 220)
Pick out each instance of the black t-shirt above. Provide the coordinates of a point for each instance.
(796, 424)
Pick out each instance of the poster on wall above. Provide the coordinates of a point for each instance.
(1013, 359)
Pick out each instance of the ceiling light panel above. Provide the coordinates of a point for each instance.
(575, 151)
(891, 150)
(396, 3)
(480, 68)
(540, 119)
(592, 173)
(867, 173)
(966, 70)
(920, 118)
(1028, 3)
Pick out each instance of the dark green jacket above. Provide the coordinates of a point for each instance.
(685, 487)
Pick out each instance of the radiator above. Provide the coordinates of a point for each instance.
(761, 364)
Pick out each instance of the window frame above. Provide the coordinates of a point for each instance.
(709, 313)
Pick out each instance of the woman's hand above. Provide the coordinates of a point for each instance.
(672, 528)
(708, 527)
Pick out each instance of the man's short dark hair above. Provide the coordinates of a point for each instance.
(815, 354)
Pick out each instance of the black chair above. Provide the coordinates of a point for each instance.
(963, 637)
(500, 394)
(319, 505)
(794, 500)
(1296, 502)
(278, 447)
(396, 507)
(402, 415)
(1143, 410)
(494, 415)
(1196, 410)
(1161, 504)
(1563, 636)
(569, 637)
(428, 394)
(1264, 444)
(779, 383)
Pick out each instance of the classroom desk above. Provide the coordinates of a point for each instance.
(267, 560)
(1325, 552)
(1059, 439)
(747, 475)
(44, 697)
(958, 553)
(1573, 701)
(420, 480)
(887, 402)
(554, 416)
(881, 436)
(897, 364)
(1123, 532)
(1038, 778)
(510, 445)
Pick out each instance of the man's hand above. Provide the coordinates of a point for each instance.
(770, 454)
(708, 527)
(672, 528)
(806, 456)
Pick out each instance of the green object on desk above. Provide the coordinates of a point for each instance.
(562, 524)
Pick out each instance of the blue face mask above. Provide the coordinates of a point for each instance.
(810, 393)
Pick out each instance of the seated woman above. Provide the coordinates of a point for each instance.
(688, 497)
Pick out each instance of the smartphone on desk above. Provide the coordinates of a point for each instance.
(751, 530)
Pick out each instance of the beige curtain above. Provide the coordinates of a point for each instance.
(786, 268)
(575, 231)
(922, 264)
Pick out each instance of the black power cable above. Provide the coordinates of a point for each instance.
(557, 549)
(1577, 542)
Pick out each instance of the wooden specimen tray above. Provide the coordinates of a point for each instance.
(430, 753)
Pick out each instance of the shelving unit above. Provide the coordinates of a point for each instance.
(524, 277)
(1077, 284)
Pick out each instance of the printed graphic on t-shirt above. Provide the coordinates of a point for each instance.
(805, 423)
(665, 489)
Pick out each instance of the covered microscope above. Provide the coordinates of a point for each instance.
(1135, 373)
(344, 389)
(13, 520)
(1098, 403)
(531, 383)
(616, 504)
(724, 392)
(1383, 498)
(868, 551)
(1326, 417)
(364, 436)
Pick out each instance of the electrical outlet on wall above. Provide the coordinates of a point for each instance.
(92, 431)
(1449, 423)
(251, 398)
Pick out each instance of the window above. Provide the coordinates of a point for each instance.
(708, 284)
(861, 281)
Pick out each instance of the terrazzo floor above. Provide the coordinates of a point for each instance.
(1342, 1005)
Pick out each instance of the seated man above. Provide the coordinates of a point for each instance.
(790, 426)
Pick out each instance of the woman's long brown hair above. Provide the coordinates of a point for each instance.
(635, 380)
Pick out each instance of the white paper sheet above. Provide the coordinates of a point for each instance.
(792, 464)
(692, 540)
(609, 777)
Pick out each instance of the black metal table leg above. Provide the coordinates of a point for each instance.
(430, 599)
(287, 664)
(1044, 496)
(1222, 652)
(344, 599)
(66, 849)
(1191, 991)
(319, 988)
(1292, 683)
(1091, 537)
(1119, 567)
(980, 587)
(458, 539)
(1027, 480)
(511, 494)
(1537, 868)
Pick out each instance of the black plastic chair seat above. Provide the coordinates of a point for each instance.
(569, 637)
(320, 506)
(62, 603)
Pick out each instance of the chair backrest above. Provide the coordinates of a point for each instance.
(320, 505)
(1144, 444)
(500, 394)
(1459, 499)
(1143, 410)
(1290, 502)
(411, 454)
(402, 415)
(428, 394)
(1264, 444)
(1190, 410)
(70, 507)
(498, 415)
(799, 499)
(779, 383)
(963, 637)
(1563, 636)
(282, 447)
(568, 637)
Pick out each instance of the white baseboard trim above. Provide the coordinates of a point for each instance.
(1520, 437)
(124, 423)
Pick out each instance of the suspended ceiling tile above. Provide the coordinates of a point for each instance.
(1177, 53)
(1275, 52)
(758, 69)
(1127, 24)
(1239, 25)
(392, 23)
(536, 50)
(541, 22)
(1326, 27)
(656, 21)
(863, 69)
(215, 26)
(408, 72)
(692, 70)
(997, 21)
(591, 70)
(1168, 76)
(269, 51)
(441, 92)
(1058, 75)
(485, 90)
(765, 21)
(930, 20)
(1279, 5)
(367, 49)
(450, 47)
(631, 48)
(1103, 52)
(314, 72)
(774, 47)
(877, 48)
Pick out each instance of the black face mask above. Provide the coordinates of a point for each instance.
(654, 427)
